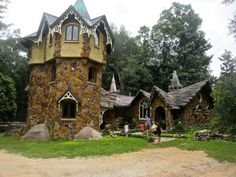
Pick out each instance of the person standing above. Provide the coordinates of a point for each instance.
(148, 123)
(126, 129)
(158, 132)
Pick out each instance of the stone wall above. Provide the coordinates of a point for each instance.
(72, 75)
(134, 109)
(158, 102)
(198, 111)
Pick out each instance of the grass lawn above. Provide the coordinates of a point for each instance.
(71, 149)
(220, 150)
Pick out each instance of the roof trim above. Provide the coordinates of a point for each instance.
(141, 92)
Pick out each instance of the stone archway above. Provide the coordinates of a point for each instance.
(160, 116)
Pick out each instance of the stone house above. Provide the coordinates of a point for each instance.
(192, 105)
(67, 57)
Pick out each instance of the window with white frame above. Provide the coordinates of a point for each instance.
(96, 38)
(72, 33)
(143, 109)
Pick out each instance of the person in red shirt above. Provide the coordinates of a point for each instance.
(141, 127)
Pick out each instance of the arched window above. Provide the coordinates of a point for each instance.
(68, 105)
(143, 109)
(72, 33)
(52, 77)
(92, 75)
(68, 108)
(96, 38)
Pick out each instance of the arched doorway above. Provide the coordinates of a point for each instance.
(160, 116)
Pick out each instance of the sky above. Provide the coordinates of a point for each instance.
(26, 15)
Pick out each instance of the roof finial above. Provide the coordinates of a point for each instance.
(81, 8)
(113, 85)
(175, 84)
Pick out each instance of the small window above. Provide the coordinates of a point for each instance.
(143, 109)
(52, 77)
(50, 39)
(72, 33)
(92, 74)
(68, 108)
(96, 38)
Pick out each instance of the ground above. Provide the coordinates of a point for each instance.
(152, 162)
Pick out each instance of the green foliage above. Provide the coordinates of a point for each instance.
(3, 7)
(179, 44)
(72, 149)
(178, 127)
(7, 98)
(228, 63)
(128, 63)
(13, 63)
(224, 94)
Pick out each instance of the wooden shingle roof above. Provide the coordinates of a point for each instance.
(185, 95)
(168, 99)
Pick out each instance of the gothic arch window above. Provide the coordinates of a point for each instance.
(68, 108)
(72, 33)
(68, 105)
(96, 38)
(143, 109)
(92, 75)
(53, 69)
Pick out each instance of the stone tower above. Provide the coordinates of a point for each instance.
(67, 56)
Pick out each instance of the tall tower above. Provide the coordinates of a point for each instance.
(67, 56)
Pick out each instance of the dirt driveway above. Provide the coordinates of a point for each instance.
(170, 162)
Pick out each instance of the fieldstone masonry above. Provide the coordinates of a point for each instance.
(72, 75)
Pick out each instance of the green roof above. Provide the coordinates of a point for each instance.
(81, 8)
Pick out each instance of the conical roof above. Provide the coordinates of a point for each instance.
(81, 8)
(175, 84)
(113, 85)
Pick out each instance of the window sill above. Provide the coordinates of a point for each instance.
(68, 119)
(73, 42)
(52, 82)
(142, 119)
(92, 83)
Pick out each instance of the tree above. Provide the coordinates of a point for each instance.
(7, 98)
(179, 44)
(129, 64)
(3, 7)
(232, 24)
(13, 64)
(228, 63)
(224, 94)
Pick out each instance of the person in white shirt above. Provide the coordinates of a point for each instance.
(126, 129)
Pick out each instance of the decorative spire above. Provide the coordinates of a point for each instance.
(175, 84)
(81, 8)
(113, 85)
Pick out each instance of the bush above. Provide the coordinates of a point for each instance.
(224, 94)
(179, 127)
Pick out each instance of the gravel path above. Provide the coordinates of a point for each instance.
(166, 162)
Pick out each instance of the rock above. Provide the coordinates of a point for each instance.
(88, 133)
(38, 132)
(202, 135)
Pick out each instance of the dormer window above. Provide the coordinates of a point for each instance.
(96, 38)
(72, 33)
